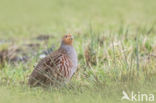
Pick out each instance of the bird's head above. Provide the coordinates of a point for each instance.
(67, 39)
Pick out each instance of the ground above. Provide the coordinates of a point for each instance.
(115, 42)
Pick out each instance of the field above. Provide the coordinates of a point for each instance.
(115, 41)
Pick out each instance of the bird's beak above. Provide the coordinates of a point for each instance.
(72, 37)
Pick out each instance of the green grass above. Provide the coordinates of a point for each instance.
(118, 36)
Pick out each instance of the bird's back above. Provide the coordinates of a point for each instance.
(52, 69)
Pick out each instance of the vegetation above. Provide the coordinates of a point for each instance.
(115, 42)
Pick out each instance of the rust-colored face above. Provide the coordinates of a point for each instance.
(68, 39)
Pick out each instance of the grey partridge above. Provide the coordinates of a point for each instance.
(58, 67)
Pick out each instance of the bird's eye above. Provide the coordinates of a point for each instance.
(66, 36)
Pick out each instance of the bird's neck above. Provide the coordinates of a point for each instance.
(68, 48)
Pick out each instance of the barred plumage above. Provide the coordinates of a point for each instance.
(58, 67)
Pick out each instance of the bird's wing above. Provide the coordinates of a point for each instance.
(56, 65)
(61, 63)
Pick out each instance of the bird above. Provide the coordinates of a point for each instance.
(58, 67)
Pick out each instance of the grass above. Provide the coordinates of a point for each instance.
(115, 42)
